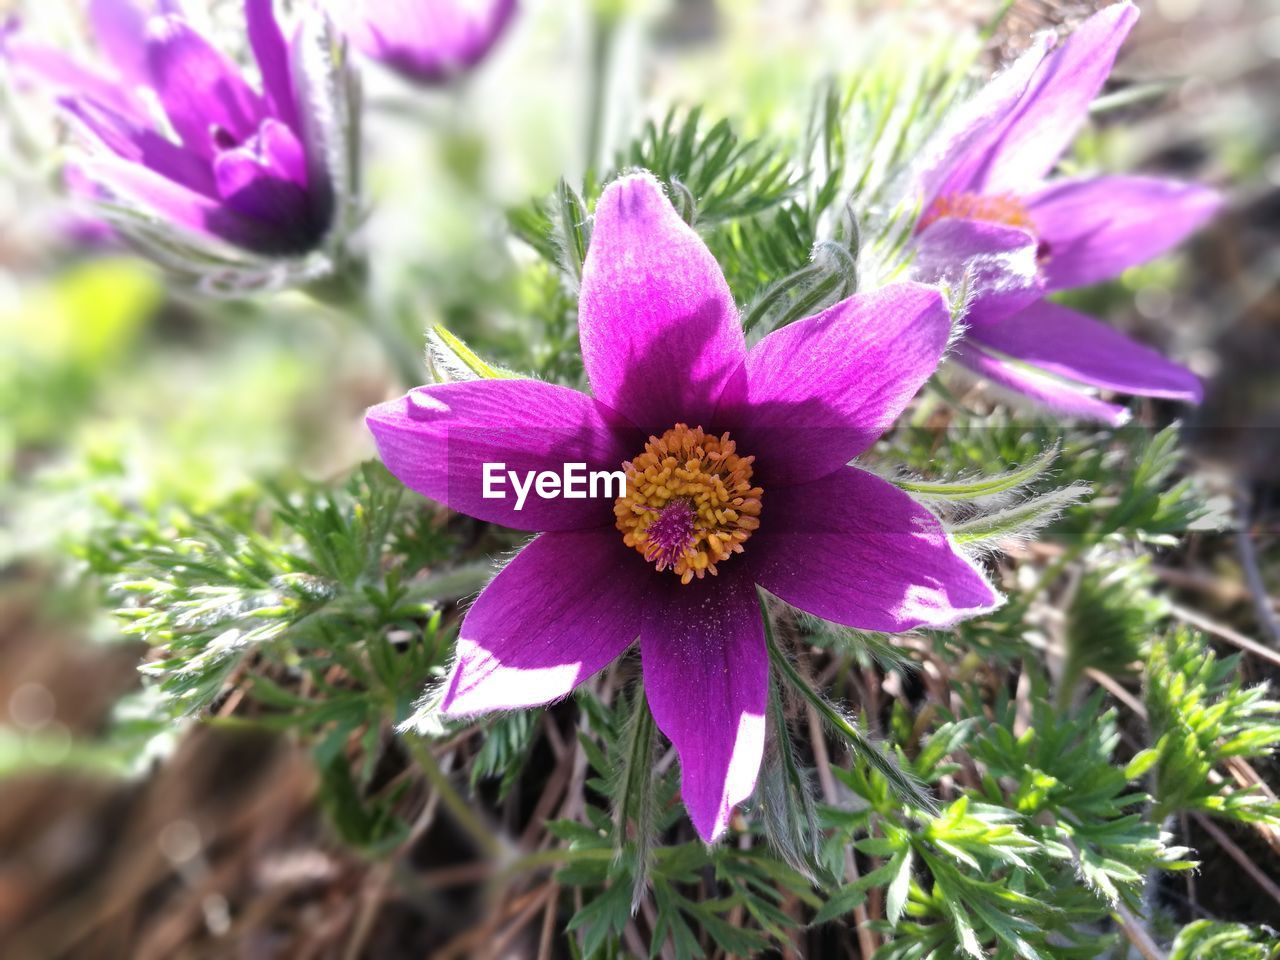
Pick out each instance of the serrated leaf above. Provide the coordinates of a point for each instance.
(844, 900)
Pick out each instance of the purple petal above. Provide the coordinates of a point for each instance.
(813, 395)
(281, 152)
(706, 674)
(994, 264)
(140, 144)
(437, 439)
(82, 228)
(856, 550)
(272, 54)
(567, 606)
(170, 201)
(427, 40)
(119, 27)
(1093, 229)
(59, 75)
(1069, 344)
(1056, 103)
(1022, 381)
(952, 166)
(266, 179)
(203, 93)
(659, 329)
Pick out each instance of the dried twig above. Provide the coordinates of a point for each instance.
(1253, 574)
(1223, 632)
(868, 942)
(374, 893)
(547, 938)
(1228, 845)
(1137, 934)
(533, 907)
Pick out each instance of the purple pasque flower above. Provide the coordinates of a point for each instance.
(234, 173)
(737, 476)
(990, 213)
(429, 41)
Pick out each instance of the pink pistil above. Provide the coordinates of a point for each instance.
(669, 534)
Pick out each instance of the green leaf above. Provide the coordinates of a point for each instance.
(1142, 761)
(604, 917)
(1210, 940)
(728, 177)
(572, 229)
(505, 749)
(896, 898)
(1017, 521)
(451, 359)
(980, 487)
(1112, 614)
(844, 900)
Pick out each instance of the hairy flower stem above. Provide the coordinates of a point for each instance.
(635, 802)
(347, 292)
(903, 785)
(459, 809)
(777, 292)
(635, 776)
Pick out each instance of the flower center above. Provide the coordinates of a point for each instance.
(689, 502)
(1003, 208)
(222, 138)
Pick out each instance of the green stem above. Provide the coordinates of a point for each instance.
(929, 400)
(900, 782)
(551, 857)
(347, 292)
(637, 773)
(452, 584)
(399, 352)
(604, 24)
(458, 808)
(1055, 569)
(635, 801)
(783, 664)
(774, 294)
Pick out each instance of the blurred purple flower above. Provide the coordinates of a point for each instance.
(764, 496)
(260, 169)
(79, 227)
(430, 41)
(990, 216)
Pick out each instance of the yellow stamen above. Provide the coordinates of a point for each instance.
(1003, 208)
(689, 503)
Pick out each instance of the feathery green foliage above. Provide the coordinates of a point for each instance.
(970, 794)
